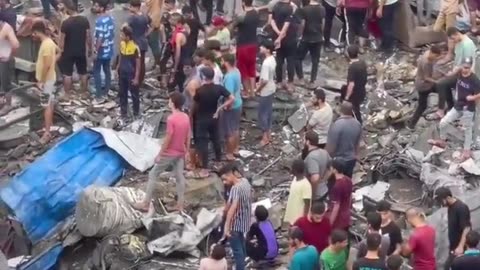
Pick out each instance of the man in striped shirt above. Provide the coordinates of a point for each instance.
(238, 211)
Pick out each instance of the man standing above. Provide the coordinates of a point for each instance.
(206, 112)
(180, 52)
(140, 25)
(104, 39)
(354, 91)
(8, 44)
(321, 118)
(45, 74)
(421, 243)
(389, 227)
(266, 90)
(468, 88)
(317, 164)
(459, 223)
(316, 227)
(75, 40)
(305, 257)
(238, 212)
(172, 153)
(312, 17)
(386, 14)
(355, 14)
(471, 257)
(464, 47)
(195, 26)
(424, 82)
(332, 12)
(374, 221)
(344, 138)
(372, 260)
(247, 46)
(231, 116)
(282, 23)
(154, 9)
(335, 256)
(340, 197)
(299, 195)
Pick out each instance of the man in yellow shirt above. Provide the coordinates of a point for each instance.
(300, 195)
(45, 74)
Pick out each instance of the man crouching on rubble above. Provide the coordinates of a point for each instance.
(424, 82)
(45, 74)
(468, 88)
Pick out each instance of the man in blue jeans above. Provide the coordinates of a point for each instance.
(238, 212)
(104, 36)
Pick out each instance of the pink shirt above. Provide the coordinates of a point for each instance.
(178, 127)
(422, 243)
(211, 264)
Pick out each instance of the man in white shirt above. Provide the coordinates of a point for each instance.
(266, 90)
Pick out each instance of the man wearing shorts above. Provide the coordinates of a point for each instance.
(45, 74)
(230, 118)
(247, 46)
(75, 39)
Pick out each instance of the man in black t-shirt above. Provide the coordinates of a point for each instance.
(468, 91)
(371, 260)
(471, 257)
(283, 25)
(75, 40)
(354, 91)
(389, 227)
(311, 28)
(459, 223)
(195, 26)
(205, 112)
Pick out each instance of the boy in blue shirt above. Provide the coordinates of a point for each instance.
(103, 46)
(231, 116)
(305, 257)
(128, 69)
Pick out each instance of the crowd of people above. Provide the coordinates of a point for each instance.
(207, 86)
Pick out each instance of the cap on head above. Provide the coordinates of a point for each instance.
(442, 193)
(467, 62)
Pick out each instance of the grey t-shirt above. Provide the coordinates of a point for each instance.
(344, 137)
(317, 162)
(382, 253)
(424, 70)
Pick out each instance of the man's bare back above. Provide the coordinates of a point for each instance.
(8, 40)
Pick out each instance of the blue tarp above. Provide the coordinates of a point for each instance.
(46, 260)
(46, 192)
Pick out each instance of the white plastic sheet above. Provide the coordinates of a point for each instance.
(139, 151)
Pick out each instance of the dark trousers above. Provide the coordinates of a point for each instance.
(178, 80)
(220, 4)
(386, 25)
(355, 18)
(207, 130)
(46, 7)
(208, 5)
(193, 5)
(349, 167)
(444, 89)
(286, 52)
(142, 67)
(449, 261)
(314, 49)
(98, 66)
(421, 106)
(330, 14)
(125, 85)
(355, 100)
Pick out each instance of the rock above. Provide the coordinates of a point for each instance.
(19, 151)
(288, 149)
(258, 181)
(108, 122)
(275, 214)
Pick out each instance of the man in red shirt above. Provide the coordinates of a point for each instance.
(316, 227)
(421, 243)
(340, 197)
(174, 148)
